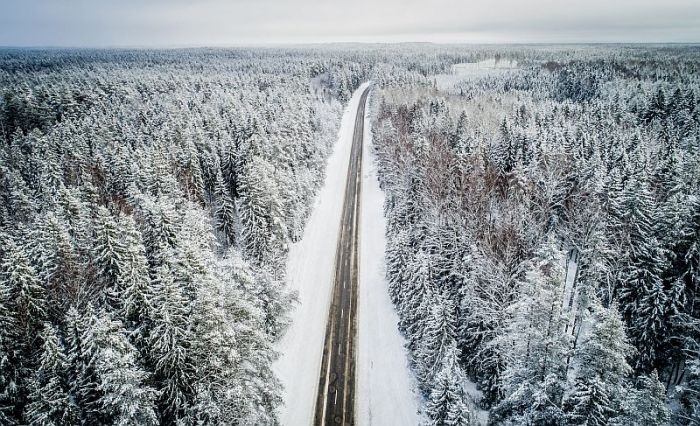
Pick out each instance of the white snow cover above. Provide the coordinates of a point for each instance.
(310, 273)
(385, 392)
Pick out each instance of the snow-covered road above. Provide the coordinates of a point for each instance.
(384, 393)
(310, 273)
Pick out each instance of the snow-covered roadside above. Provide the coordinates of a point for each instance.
(310, 269)
(385, 385)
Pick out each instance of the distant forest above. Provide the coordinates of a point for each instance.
(543, 228)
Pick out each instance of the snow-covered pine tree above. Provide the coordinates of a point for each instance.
(536, 346)
(26, 310)
(8, 374)
(124, 397)
(168, 347)
(438, 338)
(55, 257)
(109, 253)
(49, 397)
(417, 298)
(226, 215)
(644, 403)
(643, 296)
(448, 404)
(26, 291)
(135, 291)
(263, 228)
(601, 370)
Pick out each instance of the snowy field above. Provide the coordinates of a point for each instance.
(473, 71)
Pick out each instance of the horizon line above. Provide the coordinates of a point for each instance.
(332, 43)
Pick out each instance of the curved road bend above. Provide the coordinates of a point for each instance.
(335, 403)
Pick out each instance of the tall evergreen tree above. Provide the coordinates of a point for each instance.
(438, 338)
(169, 343)
(644, 403)
(49, 397)
(225, 210)
(536, 347)
(124, 396)
(263, 228)
(601, 370)
(109, 253)
(448, 404)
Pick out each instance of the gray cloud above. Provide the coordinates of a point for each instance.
(235, 22)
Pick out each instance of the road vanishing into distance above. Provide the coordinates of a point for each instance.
(335, 403)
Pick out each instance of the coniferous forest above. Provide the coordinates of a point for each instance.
(543, 227)
(147, 199)
(544, 237)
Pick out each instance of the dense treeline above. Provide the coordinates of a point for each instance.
(146, 202)
(544, 237)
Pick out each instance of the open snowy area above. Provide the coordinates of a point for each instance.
(386, 387)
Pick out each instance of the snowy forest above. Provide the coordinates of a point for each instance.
(147, 202)
(147, 199)
(544, 236)
(543, 228)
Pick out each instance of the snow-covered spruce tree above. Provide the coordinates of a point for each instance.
(49, 397)
(109, 253)
(26, 291)
(646, 300)
(8, 373)
(601, 370)
(684, 334)
(230, 326)
(26, 311)
(160, 234)
(226, 215)
(55, 256)
(438, 338)
(124, 396)
(488, 290)
(535, 347)
(134, 284)
(448, 404)
(81, 389)
(398, 254)
(263, 230)
(168, 347)
(417, 298)
(644, 403)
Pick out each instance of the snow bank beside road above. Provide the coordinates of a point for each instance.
(385, 385)
(310, 269)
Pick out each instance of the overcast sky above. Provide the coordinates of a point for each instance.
(239, 22)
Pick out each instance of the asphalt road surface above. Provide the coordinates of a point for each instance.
(335, 403)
